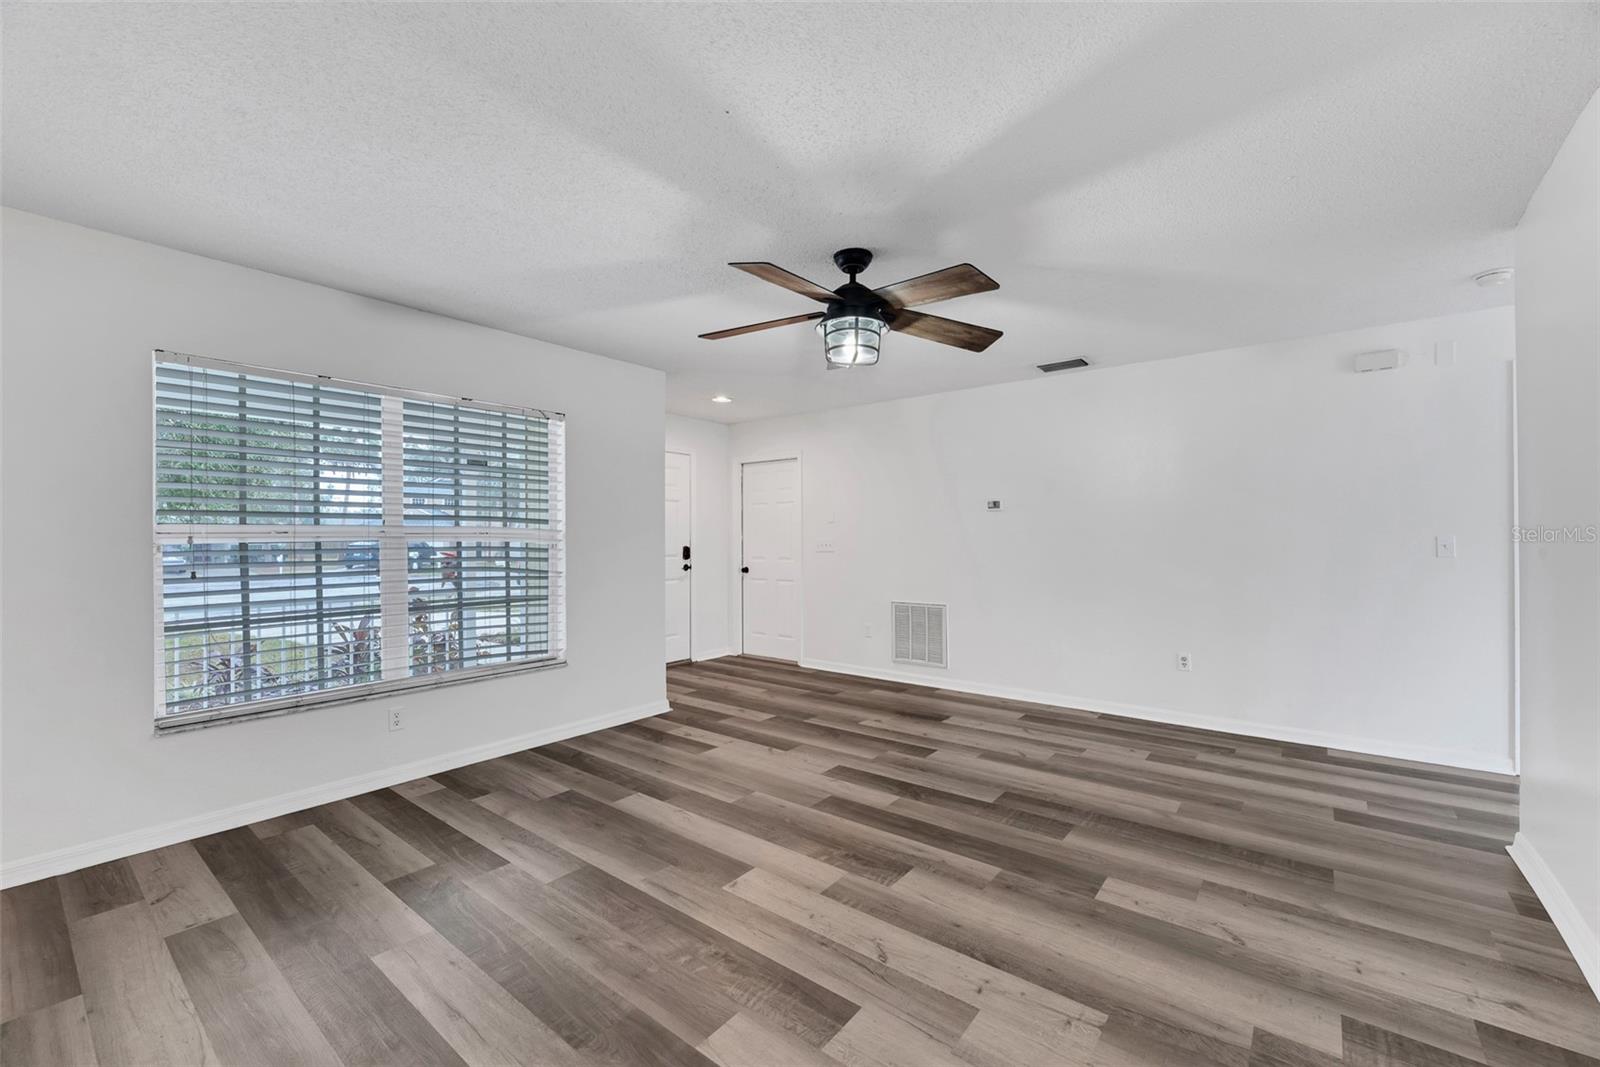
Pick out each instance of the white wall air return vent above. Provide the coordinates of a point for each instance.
(919, 634)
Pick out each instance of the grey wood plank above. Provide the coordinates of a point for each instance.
(626, 964)
(577, 1004)
(1372, 1046)
(482, 1022)
(499, 835)
(875, 1037)
(353, 1003)
(365, 1018)
(55, 1036)
(223, 967)
(138, 1005)
(759, 985)
(745, 1040)
(99, 888)
(429, 835)
(861, 978)
(744, 848)
(371, 916)
(179, 887)
(36, 963)
(368, 842)
(961, 975)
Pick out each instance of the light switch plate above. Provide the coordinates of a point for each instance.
(1444, 547)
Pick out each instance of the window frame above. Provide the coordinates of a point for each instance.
(393, 537)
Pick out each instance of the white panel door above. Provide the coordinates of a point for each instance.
(677, 568)
(771, 513)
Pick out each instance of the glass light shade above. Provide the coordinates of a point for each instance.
(852, 340)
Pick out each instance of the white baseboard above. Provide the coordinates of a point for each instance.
(1245, 727)
(76, 857)
(716, 653)
(1581, 939)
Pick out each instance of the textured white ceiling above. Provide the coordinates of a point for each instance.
(1143, 180)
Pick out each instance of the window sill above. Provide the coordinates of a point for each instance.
(271, 709)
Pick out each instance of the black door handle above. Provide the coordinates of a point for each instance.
(744, 570)
(688, 567)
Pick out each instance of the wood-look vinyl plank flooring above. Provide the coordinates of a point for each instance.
(801, 868)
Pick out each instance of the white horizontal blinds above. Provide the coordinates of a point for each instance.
(483, 520)
(246, 449)
(477, 602)
(557, 431)
(314, 535)
(259, 620)
(396, 599)
(261, 485)
(476, 467)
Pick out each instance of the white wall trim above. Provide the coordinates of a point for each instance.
(1516, 580)
(694, 572)
(76, 857)
(1583, 942)
(715, 653)
(1244, 727)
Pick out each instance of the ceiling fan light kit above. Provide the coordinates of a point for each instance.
(853, 326)
(852, 340)
(857, 317)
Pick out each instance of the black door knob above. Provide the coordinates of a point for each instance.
(744, 570)
(688, 567)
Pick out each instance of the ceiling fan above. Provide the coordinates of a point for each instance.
(852, 327)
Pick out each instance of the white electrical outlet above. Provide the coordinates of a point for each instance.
(397, 717)
(1184, 662)
(1444, 547)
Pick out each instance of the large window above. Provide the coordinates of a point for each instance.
(319, 540)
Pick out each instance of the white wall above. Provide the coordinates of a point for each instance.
(707, 442)
(1558, 445)
(82, 311)
(1264, 509)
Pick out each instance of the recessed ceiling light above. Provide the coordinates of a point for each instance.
(1490, 278)
(722, 398)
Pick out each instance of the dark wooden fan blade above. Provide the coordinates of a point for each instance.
(945, 331)
(737, 330)
(771, 272)
(955, 281)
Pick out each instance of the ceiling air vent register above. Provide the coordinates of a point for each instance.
(919, 634)
(1065, 364)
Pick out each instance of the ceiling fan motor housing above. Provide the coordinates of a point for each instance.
(852, 260)
(853, 298)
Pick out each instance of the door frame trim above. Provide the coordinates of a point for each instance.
(692, 495)
(739, 463)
